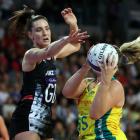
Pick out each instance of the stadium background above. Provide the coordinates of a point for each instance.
(111, 21)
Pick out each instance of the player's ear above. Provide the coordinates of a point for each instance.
(29, 34)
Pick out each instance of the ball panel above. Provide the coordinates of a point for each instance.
(96, 68)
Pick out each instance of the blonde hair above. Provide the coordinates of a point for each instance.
(131, 50)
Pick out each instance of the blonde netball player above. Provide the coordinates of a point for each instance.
(100, 100)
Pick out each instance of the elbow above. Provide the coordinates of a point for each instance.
(66, 93)
(49, 54)
(94, 115)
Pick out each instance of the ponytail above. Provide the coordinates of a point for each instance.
(131, 51)
(22, 20)
(18, 22)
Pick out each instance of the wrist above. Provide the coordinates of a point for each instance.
(105, 84)
(65, 39)
(73, 26)
(86, 67)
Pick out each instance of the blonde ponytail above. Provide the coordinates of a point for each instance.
(131, 50)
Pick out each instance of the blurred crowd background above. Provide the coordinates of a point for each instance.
(111, 21)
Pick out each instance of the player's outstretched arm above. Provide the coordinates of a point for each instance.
(36, 55)
(71, 20)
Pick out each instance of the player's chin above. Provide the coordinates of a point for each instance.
(45, 44)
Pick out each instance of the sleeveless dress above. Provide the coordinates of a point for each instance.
(105, 128)
(38, 93)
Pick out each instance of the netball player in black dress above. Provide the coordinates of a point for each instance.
(32, 118)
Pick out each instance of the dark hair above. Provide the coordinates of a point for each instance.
(22, 21)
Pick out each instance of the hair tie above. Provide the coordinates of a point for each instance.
(28, 10)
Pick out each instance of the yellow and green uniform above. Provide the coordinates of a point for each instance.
(105, 128)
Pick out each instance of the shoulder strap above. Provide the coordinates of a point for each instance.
(89, 81)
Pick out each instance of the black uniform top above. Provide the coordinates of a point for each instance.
(40, 83)
(33, 112)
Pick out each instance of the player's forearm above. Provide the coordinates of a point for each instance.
(73, 27)
(3, 130)
(5, 134)
(36, 55)
(6, 137)
(56, 47)
(72, 85)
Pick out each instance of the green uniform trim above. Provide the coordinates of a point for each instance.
(101, 129)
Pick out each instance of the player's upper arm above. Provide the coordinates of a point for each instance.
(114, 97)
(116, 94)
(35, 55)
(69, 92)
(81, 89)
(31, 58)
(105, 101)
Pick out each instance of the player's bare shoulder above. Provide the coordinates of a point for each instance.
(28, 62)
(116, 83)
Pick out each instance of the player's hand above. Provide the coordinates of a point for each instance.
(77, 37)
(108, 68)
(69, 16)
